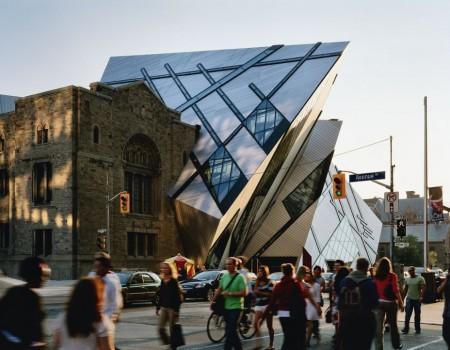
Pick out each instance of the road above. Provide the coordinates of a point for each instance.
(138, 330)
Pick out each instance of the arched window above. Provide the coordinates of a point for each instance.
(142, 166)
(42, 134)
(96, 135)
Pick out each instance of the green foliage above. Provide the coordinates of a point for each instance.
(410, 256)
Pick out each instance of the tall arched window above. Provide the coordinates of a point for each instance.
(142, 167)
(96, 135)
(42, 134)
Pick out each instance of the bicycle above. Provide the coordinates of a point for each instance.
(215, 327)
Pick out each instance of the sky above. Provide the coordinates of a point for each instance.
(399, 52)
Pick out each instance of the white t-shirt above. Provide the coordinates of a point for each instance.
(113, 301)
(104, 328)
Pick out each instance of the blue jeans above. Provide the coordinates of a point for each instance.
(410, 306)
(232, 340)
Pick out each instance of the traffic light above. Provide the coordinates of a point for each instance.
(124, 202)
(339, 186)
(401, 227)
(101, 241)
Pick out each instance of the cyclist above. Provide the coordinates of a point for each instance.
(233, 288)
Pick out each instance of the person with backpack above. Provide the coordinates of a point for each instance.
(357, 299)
(233, 287)
(390, 301)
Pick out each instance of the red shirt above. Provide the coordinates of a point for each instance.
(281, 295)
(382, 284)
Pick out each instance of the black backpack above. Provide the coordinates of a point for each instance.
(350, 297)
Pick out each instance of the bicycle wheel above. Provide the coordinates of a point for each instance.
(247, 324)
(215, 328)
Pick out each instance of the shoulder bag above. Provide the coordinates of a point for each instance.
(218, 306)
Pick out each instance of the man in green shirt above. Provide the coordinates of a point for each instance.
(234, 288)
(414, 289)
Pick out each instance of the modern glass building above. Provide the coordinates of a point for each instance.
(257, 111)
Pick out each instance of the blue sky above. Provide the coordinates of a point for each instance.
(399, 52)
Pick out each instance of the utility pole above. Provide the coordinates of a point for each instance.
(425, 190)
(391, 205)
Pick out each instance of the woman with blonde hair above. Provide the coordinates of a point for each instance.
(170, 299)
(82, 326)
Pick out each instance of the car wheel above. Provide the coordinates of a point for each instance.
(126, 302)
(155, 299)
(210, 295)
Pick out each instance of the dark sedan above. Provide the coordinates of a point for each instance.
(202, 285)
(139, 286)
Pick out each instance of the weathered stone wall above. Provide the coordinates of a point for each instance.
(54, 110)
(80, 169)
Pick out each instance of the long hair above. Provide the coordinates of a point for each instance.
(264, 278)
(83, 309)
(172, 269)
(384, 267)
(341, 274)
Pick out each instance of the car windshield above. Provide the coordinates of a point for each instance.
(123, 277)
(206, 275)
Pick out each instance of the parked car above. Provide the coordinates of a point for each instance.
(275, 277)
(139, 286)
(202, 285)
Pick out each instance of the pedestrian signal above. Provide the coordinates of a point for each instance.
(124, 202)
(339, 186)
(101, 242)
(401, 227)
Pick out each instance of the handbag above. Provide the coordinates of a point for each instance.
(218, 306)
(176, 336)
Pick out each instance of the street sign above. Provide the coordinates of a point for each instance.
(391, 202)
(402, 244)
(379, 175)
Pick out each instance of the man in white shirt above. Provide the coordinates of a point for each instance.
(113, 301)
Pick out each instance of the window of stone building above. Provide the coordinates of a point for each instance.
(42, 134)
(141, 244)
(141, 175)
(43, 242)
(4, 235)
(96, 135)
(3, 182)
(2, 144)
(42, 177)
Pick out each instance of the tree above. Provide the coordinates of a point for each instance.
(409, 256)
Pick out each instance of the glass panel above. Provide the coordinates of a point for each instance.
(291, 97)
(194, 83)
(169, 92)
(48, 242)
(140, 244)
(246, 152)
(151, 245)
(39, 242)
(131, 242)
(146, 278)
(137, 279)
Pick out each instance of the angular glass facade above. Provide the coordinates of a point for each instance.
(256, 108)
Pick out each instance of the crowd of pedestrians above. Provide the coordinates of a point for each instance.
(364, 302)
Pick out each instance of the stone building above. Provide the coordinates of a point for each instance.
(63, 151)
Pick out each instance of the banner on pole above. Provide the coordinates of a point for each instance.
(436, 203)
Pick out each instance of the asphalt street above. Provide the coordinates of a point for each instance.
(138, 330)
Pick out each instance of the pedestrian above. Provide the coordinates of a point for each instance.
(312, 309)
(83, 326)
(113, 300)
(21, 313)
(263, 291)
(414, 290)
(342, 273)
(357, 299)
(248, 300)
(390, 301)
(169, 301)
(445, 288)
(233, 288)
(318, 279)
(288, 301)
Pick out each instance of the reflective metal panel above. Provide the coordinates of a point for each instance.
(7, 103)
